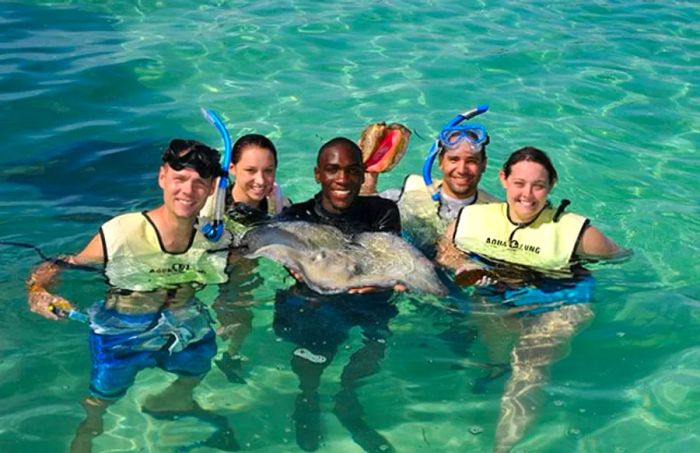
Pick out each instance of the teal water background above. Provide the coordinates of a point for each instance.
(91, 91)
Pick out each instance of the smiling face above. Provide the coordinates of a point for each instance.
(462, 167)
(184, 191)
(340, 173)
(527, 187)
(254, 175)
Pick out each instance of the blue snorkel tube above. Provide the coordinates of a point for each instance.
(215, 229)
(435, 148)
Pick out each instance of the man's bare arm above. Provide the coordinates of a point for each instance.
(41, 301)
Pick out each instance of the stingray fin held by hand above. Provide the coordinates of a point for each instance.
(383, 146)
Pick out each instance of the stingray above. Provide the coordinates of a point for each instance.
(332, 262)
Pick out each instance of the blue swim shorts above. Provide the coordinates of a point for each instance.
(115, 365)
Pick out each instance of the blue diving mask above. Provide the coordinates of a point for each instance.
(451, 136)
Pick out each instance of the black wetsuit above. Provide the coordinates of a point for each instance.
(366, 214)
(321, 323)
(244, 213)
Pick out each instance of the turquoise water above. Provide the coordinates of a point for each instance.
(91, 93)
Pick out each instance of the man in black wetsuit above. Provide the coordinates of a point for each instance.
(319, 324)
(340, 172)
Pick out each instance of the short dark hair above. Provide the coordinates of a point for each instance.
(252, 140)
(340, 141)
(531, 154)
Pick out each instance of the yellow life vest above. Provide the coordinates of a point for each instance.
(544, 243)
(135, 259)
(420, 217)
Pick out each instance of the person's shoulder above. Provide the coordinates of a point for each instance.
(378, 206)
(393, 194)
(297, 209)
(483, 197)
(126, 227)
(479, 210)
(413, 178)
(381, 214)
(378, 202)
(486, 207)
(300, 206)
(128, 218)
(571, 219)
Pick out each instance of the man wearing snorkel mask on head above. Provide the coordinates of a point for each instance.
(155, 261)
(427, 207)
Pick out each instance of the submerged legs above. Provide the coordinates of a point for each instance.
(307, 413)
(177, 401)
(363, 363)
(91, 427)
(237, 323)
(309, 368)
(544, 339)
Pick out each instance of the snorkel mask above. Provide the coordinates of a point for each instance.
(451, 136)
(201, 158)
(215, 229)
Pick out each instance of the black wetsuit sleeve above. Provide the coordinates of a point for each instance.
(388, 219)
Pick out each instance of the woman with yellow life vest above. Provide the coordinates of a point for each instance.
(525, 257)
(254, 197)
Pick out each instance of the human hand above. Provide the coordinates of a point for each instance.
(399, 287)
(363, 290)
(486, 280)
(46, 304)
(473, 276)
(297, 276)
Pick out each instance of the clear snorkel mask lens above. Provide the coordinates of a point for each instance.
(451, 136)
(204, 160)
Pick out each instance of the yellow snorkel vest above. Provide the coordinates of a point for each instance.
(135, 259)
(420, 217)
(545, 243)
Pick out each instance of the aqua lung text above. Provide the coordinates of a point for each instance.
(176, 268)
(513, 244)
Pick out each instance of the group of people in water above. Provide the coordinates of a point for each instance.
(521, 257)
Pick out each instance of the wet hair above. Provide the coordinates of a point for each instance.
(182, 153)
(340, 141)
(252, 140)
(531, 154)
(443, 149)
